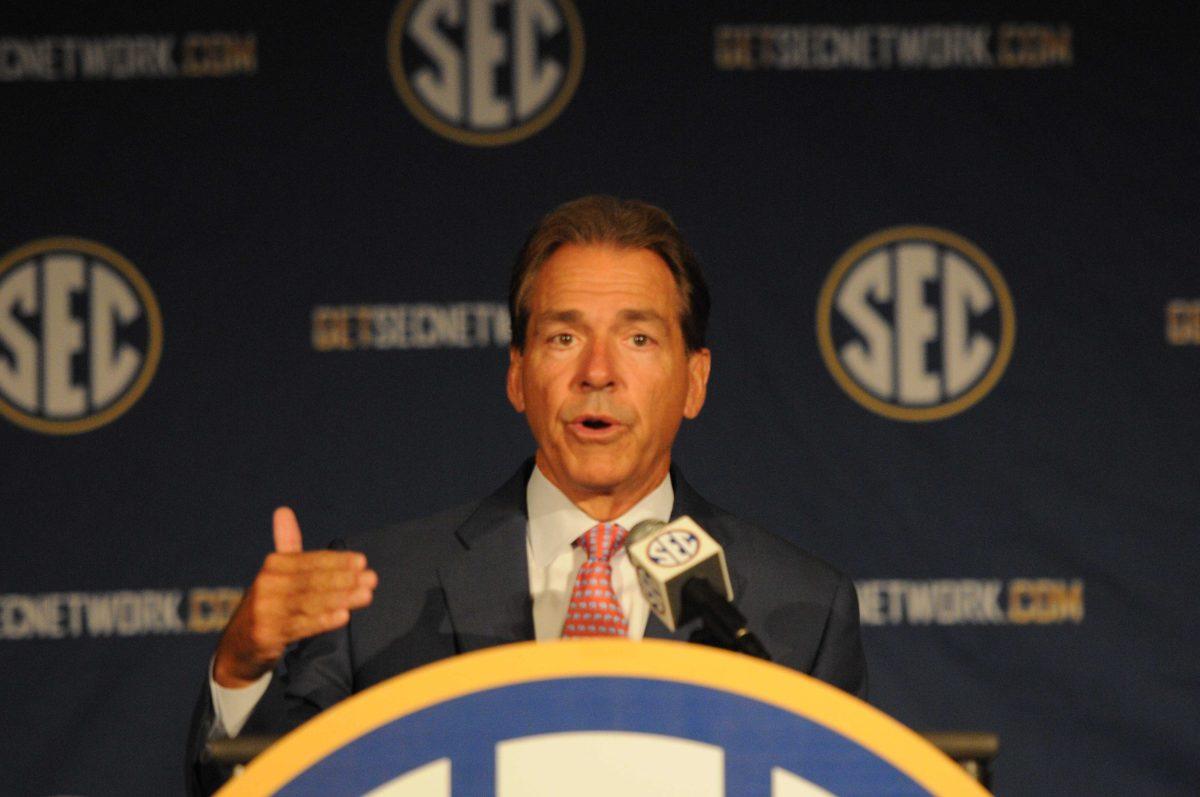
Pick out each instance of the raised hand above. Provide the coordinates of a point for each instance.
(296, 594)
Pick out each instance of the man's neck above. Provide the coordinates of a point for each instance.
(607, 505)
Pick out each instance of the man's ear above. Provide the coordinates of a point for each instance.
(698, 365)
(516, 387)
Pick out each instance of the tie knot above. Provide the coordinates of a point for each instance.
(603, 540)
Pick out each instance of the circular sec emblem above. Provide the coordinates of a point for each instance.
(485, 73)
(80, 335)
(533, 718)
(915, 323)
(673, 548)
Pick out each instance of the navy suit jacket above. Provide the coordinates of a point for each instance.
(458, 582)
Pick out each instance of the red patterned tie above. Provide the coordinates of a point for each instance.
(594, 610)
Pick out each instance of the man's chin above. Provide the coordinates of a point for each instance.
(598, 480)
(604, 477)
(597, 475)
(587, 471)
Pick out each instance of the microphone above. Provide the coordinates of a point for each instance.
(682, 573)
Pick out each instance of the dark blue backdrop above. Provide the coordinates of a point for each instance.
(258, 165)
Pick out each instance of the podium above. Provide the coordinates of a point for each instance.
(602, 717)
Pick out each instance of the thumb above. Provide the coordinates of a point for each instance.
(287, 531)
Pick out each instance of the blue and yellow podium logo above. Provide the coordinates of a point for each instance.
(80, 335)
(603, 717)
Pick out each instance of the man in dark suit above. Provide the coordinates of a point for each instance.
(608, 357)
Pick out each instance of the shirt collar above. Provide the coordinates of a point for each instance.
(555, 522)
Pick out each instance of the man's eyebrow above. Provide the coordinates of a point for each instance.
(637, 314)
(562, 316)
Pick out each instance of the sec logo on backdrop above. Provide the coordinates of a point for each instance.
(485, 72)
(915, 323)
(80, 335)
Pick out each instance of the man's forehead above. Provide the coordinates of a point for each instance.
(626, 314)
(576, 275)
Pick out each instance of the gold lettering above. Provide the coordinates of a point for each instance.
(1058, 46)
(1044, 601)
(363, 328)
(1033, 46)
(734, 48)
(1183, 322)
(1019, 601)
(218, 55)
(331, 329)
(1071, 597)
(210, 609)
(243, 54)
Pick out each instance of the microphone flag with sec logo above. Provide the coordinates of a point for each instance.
(669, 555)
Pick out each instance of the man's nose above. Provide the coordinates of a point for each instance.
(597, 371)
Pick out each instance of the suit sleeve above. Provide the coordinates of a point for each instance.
(202, 776)
(312, 677)
(840, 660)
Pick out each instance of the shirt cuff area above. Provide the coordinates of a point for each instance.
(232, 707)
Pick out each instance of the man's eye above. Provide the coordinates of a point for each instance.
(564, 338)
(641, 340)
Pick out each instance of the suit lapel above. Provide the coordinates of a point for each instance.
(486, 582)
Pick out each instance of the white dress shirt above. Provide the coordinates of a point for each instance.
(554, 524)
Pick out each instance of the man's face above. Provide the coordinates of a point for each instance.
(605, 379)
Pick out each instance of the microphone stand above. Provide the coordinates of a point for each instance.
(721, 620)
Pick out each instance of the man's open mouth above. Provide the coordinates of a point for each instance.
(595, 423)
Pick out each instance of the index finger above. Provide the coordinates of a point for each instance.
(316, 560)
